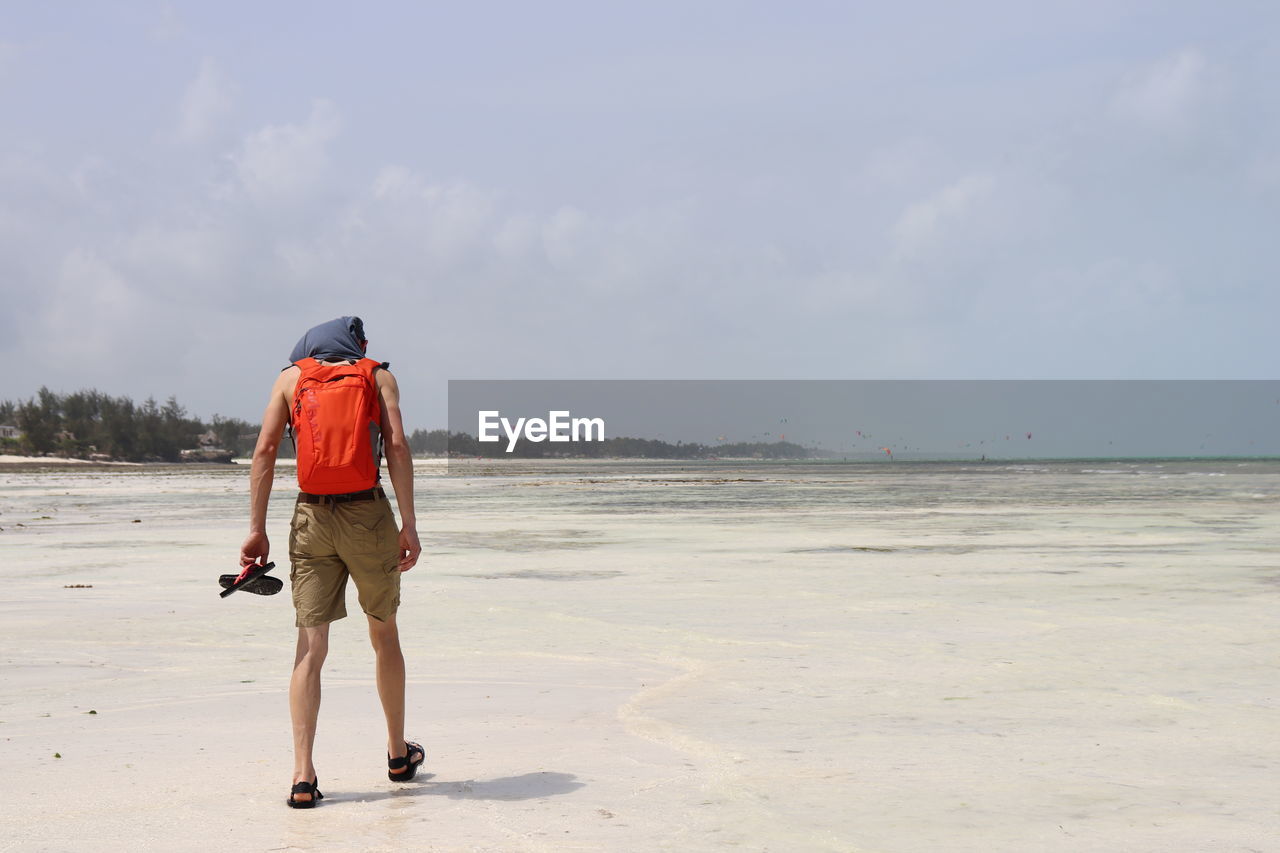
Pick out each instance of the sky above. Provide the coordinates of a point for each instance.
(578, 190)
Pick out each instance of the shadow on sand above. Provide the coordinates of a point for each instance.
(529, 786)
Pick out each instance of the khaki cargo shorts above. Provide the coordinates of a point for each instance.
(328, 542)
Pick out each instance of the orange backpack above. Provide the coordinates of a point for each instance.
(335, 412)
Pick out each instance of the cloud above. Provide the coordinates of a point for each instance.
(1116, 287)
(88, 305)
(562, 236)
(902, 164)
(205, 104)
(285, 161)
(516, 236)
(924, 221)
(167, 25)
(179, 263)
(1165, 92)
(403, 225)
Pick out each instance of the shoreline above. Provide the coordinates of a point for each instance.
(12, 463)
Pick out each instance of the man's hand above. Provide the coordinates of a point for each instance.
(256, 547)
(409, 548)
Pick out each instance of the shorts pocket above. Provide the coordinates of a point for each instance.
(373, 530)
(299, 536)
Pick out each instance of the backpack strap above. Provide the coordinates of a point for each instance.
(380, 450)
(288, 425)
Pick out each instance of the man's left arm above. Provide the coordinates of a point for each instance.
(400, 467)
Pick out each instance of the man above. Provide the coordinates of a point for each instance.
(334, 535)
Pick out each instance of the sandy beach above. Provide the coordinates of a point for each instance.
(633, 657)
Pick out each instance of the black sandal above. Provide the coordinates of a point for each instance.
(404, 768)
(253, 579)
(305, 788)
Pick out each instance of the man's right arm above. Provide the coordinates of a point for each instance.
(257, 546)
(399, 466)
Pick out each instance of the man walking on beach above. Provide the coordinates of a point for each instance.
(336, 399)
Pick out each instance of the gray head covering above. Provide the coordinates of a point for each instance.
(340, 338)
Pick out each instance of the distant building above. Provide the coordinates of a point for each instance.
(7, 431)
(208, 451)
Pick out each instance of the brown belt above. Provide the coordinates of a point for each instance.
(367, 495)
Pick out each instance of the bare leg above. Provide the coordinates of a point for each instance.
(385, 637)
(304, 700)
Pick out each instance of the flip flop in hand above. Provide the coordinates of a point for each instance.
(253, 579)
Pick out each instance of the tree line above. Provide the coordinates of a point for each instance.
(93, 424)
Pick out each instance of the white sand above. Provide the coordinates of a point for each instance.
(11, 460)
(623, 660)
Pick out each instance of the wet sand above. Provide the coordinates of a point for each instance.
(646, 657)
